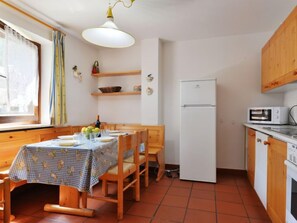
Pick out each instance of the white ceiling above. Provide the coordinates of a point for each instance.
(171, 20)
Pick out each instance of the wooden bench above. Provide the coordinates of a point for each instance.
(12, 141)
(156, 135)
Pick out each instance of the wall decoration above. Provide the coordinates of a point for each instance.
(149, 78)
(76, 73)
(95, 68)
(149, 91)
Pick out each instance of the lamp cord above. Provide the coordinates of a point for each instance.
(123, 2)
(291, 116)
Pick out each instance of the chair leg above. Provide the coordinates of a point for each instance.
(7, 204)
(161, 163)
(84, 199)
(120, 200)
(146, 174)
(137, 186)
(104, 188)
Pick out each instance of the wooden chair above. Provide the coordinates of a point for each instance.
(142, 136)
(156, 138)
(5, 199)
(120, 172)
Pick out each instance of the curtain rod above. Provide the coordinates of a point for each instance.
(30, 16)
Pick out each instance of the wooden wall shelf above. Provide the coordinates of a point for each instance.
(120, 73)
(117, 93)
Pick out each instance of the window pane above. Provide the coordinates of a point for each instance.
(19, 75)
(3, 79)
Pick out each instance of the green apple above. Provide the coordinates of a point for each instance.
(96, 130)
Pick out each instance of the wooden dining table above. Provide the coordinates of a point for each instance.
(75, 168)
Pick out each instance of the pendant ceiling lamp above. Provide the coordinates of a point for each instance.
(109, 35)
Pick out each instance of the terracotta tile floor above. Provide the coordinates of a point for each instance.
(231, 200)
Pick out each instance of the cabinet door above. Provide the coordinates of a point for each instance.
(290, 43)
(260, 183)
(279, 55)
(276, 180)
(251, 155)
(265, 67)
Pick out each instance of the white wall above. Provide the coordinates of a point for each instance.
(23, 21)
(290, 99)
(81, 106)
(151, 107)
(235, 62)
(120, 109)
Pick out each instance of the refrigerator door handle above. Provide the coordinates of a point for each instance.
(200, 105)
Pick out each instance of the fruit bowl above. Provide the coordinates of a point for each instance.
(90, 132)
(110, 89)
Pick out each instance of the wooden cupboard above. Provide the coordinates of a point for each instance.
(279, 55)
(276, 180)
(251, 155)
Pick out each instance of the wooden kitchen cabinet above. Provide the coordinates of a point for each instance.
(251, 155)
(279, 55)
(276, 180)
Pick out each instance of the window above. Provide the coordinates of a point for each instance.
(19, 78)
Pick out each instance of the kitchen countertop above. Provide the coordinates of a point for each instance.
(276, 135)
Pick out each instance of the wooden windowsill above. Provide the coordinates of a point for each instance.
(14, 127)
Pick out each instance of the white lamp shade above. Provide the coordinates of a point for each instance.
(108, 35)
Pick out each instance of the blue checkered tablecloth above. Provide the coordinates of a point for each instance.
(78, 166)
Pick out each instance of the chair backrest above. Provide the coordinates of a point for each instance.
(156, 133)
(126, 143)
(5, 198)
(108, 126)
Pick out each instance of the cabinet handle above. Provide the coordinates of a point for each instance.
(266, 143)
(295, 73)
(259, 140)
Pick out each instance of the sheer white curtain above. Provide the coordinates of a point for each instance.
(21, 68)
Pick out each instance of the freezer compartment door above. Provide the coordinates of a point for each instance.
(198, 92)
(198, 144)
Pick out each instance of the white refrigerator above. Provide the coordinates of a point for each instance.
(198, 130)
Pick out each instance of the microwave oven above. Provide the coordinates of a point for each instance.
(268, 115)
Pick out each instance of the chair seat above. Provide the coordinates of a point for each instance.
(154, 151)
(128, 168)
(131, 159)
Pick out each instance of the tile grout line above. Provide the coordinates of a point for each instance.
(215, 200)
(240, 195)
(187, 206)
(152, 218)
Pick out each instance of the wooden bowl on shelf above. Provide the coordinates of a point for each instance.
(110, 89)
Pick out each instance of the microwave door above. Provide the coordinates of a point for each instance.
(264, 115)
